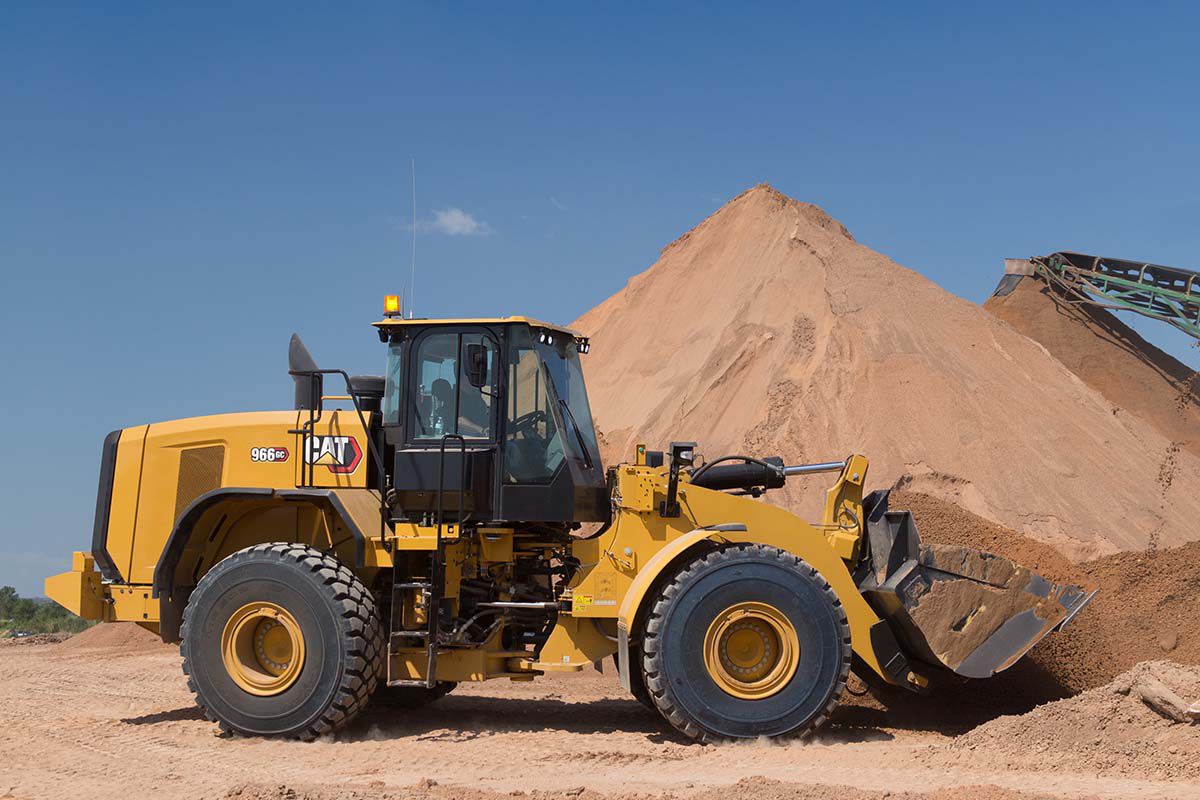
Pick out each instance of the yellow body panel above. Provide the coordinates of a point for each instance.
(465, 664)
(627, 560)
(132, 604)
(574, 643)
(122, 516)
(80, 590)
(227, 443)
(161, 468)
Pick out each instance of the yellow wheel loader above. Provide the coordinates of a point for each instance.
(429, 527)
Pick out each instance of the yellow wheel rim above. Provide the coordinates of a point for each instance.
(262, 648)
(751, 650)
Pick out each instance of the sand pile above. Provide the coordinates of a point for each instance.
(1110, 357)
(118, 637)
(768, 330)
(1109, 730)
(1145, 609)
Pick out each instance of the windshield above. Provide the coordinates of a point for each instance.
(561, 359)
(549, 419)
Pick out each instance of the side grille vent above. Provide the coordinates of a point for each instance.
(199, 472)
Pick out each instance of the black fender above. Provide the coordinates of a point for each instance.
(169, 596)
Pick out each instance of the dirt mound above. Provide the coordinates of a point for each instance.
(768, 330)
(35, 639)
(1145, 608)
(941, 522)
(1110, 357)
(1108, 730)
(118, 637)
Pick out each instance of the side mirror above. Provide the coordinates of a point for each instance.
(477, 366)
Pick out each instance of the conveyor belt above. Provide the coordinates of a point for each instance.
(1169, 294)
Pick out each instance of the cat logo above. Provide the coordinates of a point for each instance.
(340, 453)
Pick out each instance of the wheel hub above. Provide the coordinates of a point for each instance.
(262, 648)
(751, 650)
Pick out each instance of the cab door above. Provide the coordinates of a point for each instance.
(442, 406)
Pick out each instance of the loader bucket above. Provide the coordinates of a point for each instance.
(971, 612)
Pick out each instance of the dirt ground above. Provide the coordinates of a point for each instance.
(108, 715)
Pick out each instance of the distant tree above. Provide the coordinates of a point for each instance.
(7, 595)
(22, 614)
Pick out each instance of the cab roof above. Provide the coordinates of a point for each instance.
(388, 323)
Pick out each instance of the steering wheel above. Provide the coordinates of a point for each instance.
(526, 422)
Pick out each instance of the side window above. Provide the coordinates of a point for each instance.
(444, 400)
(393, 385)
(475, 402)
(533, 450)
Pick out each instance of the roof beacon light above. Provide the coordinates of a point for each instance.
(391, 305)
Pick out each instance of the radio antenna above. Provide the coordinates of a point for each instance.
(412, 275)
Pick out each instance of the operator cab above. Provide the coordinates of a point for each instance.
(496, 409)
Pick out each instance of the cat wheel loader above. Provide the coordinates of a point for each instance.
(451, 521)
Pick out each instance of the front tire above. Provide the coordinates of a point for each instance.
(746, 642)
(281, 640)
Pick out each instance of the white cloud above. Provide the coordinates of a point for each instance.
(455, 222)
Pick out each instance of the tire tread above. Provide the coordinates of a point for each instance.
(359, 627)
(652, 631)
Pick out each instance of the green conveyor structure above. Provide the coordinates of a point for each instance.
(1169, 294)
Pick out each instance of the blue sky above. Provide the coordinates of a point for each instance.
(181, 187)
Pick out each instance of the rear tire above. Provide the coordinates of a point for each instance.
(746, 642)
(281, 640)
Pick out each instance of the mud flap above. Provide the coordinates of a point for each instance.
(623, 665)
(971, 612)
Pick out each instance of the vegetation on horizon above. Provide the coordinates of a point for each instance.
(22, 614)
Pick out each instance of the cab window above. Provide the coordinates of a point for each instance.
(445, 402)
(393, 385)
(533, 450)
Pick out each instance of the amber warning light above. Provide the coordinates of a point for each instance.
(391, 305)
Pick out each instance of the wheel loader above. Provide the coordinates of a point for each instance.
(451, 521)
